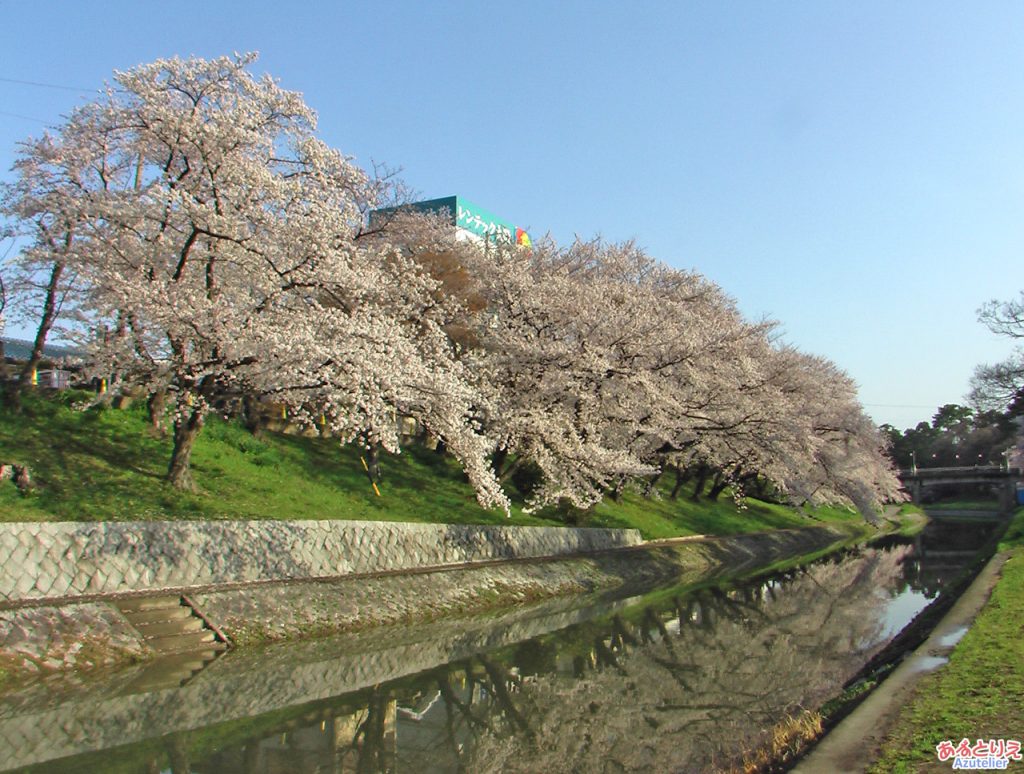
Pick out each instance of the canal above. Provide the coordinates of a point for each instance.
(665, 679)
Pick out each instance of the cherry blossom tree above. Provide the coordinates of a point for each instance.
(220, 242)
(548, 339)
(607, 365)
(997, 385)
(221, 248)
(720, 671)
(3, 306)
(842, 456)
(601, 361)
(41, 211)
(1000, 386)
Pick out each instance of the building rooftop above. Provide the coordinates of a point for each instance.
(21, 349)
(470, 221)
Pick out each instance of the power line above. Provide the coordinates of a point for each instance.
(42, 85)
(897, 405)
(26, 118)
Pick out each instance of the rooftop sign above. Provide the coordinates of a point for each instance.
(471, 219)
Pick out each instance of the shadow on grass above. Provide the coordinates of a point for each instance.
(83, 463)
(106, 464)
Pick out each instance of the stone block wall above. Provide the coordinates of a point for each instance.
(61, 560)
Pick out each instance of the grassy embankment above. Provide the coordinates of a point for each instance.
(979, 694)
(106, 464)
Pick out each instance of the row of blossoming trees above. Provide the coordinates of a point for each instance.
(218, 247)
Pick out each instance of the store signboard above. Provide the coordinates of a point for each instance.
(478, 221)
(470, 219)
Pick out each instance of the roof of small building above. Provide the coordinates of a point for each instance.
(21, 349)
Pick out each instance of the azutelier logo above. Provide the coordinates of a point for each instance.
(983, 755)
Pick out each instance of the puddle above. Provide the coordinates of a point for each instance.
(951, 639)
(928, 663)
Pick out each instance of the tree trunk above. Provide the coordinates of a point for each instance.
(186, 430)
(702, 479)
(157, 406)
(682, 476)
(373, 453)
(747, 480)
(719, 486)
(619, 488)
(178, 752)
(621, 633)
(372, 753)
(499, 689)
(762, 488)
(251, 415)
(498, 461)
(251, 759)
(50, 310)
(507, 474)
(653, 483)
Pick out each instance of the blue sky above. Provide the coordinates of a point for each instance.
(853, 170)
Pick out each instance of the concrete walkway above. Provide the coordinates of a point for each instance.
(855, 743)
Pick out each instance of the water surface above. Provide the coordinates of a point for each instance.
(664, 679)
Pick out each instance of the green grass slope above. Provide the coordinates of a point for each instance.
(106, 464)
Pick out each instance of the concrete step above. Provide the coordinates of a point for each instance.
(169, 626)
(205, 655)
(162, 682)
(144, 617)
(170, 671)
(182, 663)
(181, 643)
(138, 604)
(165, 628)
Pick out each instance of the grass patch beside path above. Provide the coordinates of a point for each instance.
(979, 694)
(105, 464)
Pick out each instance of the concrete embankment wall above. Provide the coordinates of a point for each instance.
(264, 596)
(67, 560)
(287, 611)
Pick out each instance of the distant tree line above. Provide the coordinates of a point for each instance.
(999, 387)
(989, 430)
(207, 249)
(956, 436)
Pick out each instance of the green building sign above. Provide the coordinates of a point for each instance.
(470, 218)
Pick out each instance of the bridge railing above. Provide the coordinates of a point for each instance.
(961, 471)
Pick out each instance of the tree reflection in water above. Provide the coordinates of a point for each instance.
(690, 688)
(683, 684)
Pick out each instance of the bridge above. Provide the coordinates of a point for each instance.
(1003, 480)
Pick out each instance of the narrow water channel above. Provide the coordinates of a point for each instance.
(666, 679)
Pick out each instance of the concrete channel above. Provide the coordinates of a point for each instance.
(854, 744)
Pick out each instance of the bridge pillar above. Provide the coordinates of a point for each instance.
(1008, 496)
(915, 491)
